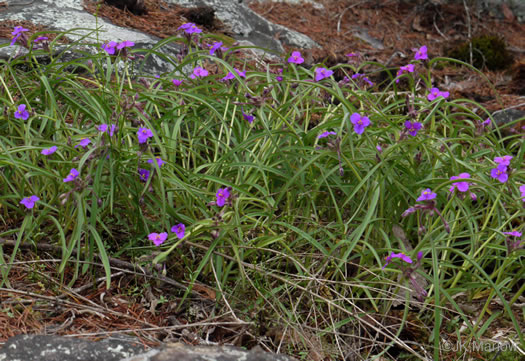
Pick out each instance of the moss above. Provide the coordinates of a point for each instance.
(488, 51)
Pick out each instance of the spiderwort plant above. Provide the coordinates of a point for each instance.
(29, 202)
(428, 206)
(19, 36)
(21, 112)
(360, 122)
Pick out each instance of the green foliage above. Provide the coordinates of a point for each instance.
(301, 240)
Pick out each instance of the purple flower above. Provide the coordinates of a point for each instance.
(325, 134)
(215, 47)
(18, 30)
(241, 73)
(359, 122)
(158, 238)
(486, 123)
(296, 58)
(179, 230)
(110, 47)
(21, 112)
(73, 174)
(40, 38)
(222, 195)
(228, 76)
(399, 255)
(160, 162)
(379, 149)
(102, 128)
(522, 191)
(144, 174)
(461, 186)
(143, 134)
(436, 93)
(505, 160)
(362, 78)
(321, 73)
(412, 128)
(199, 72)
(125, 44)
(29, 202)
(513, 233)
(83, 143)
(426, 195)
(405, 69)
(421, 53)
(177, 82)
(49, 150)
(500, 173)
(190, 28)
(250, 118)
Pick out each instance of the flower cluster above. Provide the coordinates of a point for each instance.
(501, 172)
(160, 238)
(113, 47)
(429, 206)
(408, 272)
(190, 28)
(17, 33)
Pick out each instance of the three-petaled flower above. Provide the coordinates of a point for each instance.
(29, 202)
(21, 112)
(296, 58)
(249, 117)
(144, 174)
(73, 174)
(179, 230)
(399, 255)
(83, 143)
(322, 73)
(160, 162)
(412, 127)
(462, 185)
(158, 238)
(360, 122)
(421, 53)
(426, 195)
(49, 151)
(199, 72)
(325, 134)
(500, 173)
(405, 69)
(222, 195)
(436, 93)
(143, 134)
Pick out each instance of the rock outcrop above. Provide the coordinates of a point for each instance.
(56, 348)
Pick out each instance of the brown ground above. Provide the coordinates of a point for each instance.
(42, 305)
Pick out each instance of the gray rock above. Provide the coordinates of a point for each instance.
(69, 15)
(181, 352)
(503, 117)
(55, 348)
(248, 25)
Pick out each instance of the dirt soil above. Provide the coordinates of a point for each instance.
(36, 302)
